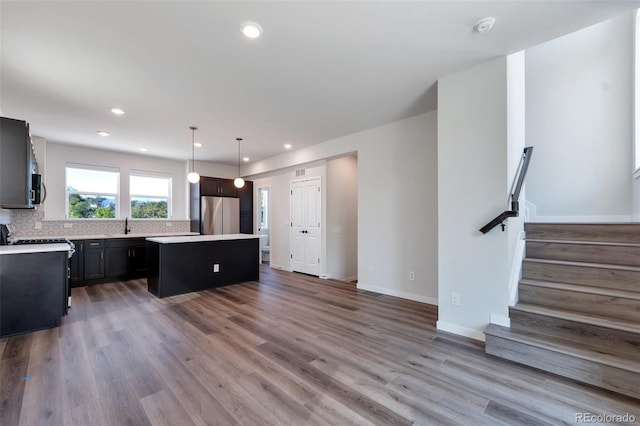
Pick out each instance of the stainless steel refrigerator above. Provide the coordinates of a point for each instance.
(220, 215)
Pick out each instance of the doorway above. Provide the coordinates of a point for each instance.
(264, 227)
(306, 213)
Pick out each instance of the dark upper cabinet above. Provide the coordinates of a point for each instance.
(216, 187)
(17, 164)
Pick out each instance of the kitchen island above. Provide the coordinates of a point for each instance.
(179, 265)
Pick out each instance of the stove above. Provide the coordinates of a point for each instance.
(54, 240)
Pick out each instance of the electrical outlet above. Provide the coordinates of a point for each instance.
(455, 299)
(68, 225)
(412, 275)
(169, 224)
(38, 225)
(216, 267)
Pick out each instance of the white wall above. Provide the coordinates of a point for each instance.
(473, 185)
(342, 218)
(397, 202)
(206, 168)
(279, 234)
(58, 155)
(580, 119)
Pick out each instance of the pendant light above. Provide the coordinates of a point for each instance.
(238, 182)
(193, 177)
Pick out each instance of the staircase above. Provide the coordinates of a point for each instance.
(578, 313)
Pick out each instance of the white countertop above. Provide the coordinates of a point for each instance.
(201, 238)
(33, 248)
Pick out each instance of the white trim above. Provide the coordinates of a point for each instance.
(396, 293)
(280, 267)
(461, 331)
(581, 219)
(351, 279)
(516, 269)
(532, 217)
(500, 320)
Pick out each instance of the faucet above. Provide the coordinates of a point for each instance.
(126, 226)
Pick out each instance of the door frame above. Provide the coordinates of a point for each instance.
(321, 272)
(257, 216)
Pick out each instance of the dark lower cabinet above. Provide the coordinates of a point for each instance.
(98, 261)
(33, 294)
(126, 257)
(93, 259)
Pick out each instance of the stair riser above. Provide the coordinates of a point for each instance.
(614, 233)
(624, 341)
(614, 255)
(595, 304)
(583, 275)
(607, 377)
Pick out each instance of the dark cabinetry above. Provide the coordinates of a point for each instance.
(17, 164)
(210, 186)
(87, 263)
(101, 260)
(33, 294)
(93, 259)
(246, 208)
(126, 257)
(217, 187)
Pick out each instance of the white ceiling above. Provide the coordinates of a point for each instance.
(321, 70)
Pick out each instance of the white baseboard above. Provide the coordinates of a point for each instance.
(282, 268)
(531, 215)
(461, 331)
(401, 294)
(581, 219)
(351, 279)
(500, 320)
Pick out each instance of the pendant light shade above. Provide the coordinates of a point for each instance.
(238, 182)
(193, 177)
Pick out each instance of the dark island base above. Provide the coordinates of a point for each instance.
(180, 268)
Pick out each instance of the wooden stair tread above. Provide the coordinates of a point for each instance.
(583, 242)
(567, 347)
(601, 291)
(583, 264)
(616, 324)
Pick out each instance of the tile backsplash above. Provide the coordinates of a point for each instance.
(25, 222)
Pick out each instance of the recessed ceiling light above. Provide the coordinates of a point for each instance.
(245, 159)
(484, 25)
(103, 133)
(144, 149)
(287, 146)
(197, 144)
(117, 111)
(251, 29)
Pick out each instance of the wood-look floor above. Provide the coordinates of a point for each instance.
(290, 349)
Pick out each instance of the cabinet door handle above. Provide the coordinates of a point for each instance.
(134, 253)
(128, 253)
(94, 244)
(101, 255)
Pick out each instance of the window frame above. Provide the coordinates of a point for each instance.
(95, 168)
(157, 175)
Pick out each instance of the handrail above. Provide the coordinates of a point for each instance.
(515, 193)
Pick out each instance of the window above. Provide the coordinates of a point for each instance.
(150, 196)
(92, 192)
(264, 208)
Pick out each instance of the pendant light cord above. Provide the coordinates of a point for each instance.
(193, 148)
(239, 140)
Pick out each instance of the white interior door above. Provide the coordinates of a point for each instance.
(306, 238)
